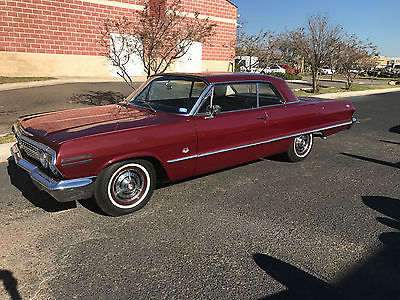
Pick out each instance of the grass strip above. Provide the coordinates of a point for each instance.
(5, 79)
(7, 138)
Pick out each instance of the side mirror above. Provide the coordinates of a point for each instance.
(214, 110)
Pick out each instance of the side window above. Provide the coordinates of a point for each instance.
(197, 88)
(232, 97)
(237, 96)
(267, 95)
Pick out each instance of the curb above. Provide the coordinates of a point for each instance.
(5, 152)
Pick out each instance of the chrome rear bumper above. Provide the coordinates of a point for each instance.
(61, 190)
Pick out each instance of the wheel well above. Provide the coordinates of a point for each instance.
(162, 175)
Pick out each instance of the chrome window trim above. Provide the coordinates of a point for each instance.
(202, 97)
(199, 101)
(258, 95)
(280, 104)
(260, 143)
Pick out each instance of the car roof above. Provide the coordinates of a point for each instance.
(218, 77)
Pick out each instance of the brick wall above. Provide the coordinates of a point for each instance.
(72, 26)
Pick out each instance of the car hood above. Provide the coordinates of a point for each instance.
(61, 126)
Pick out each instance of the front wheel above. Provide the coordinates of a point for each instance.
(125, 187)
(300, 147)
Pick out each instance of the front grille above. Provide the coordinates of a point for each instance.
(30, 150)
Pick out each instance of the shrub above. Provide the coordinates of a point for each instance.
(286, 76)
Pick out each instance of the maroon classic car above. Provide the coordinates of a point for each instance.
(173, 127)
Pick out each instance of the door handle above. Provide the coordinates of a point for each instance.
(262, 118)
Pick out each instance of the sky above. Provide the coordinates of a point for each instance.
(378, 21)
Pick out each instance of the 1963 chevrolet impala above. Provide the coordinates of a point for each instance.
(173, 127)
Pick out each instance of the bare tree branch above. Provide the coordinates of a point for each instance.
(161, 35)
(316, 43)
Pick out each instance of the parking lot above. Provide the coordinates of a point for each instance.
(327, 227)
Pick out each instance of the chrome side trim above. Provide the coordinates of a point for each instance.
(77, 163)
(183, 158)
(259, 143)
(280, 104)
(65, 160)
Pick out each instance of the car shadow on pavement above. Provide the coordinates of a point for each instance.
(389, 142)
(395, 129)
(91, 205)
(10, 284)
(377, 277)
(373, 160)
(22, 181)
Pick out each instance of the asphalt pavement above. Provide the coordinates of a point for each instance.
(327, 227)
(19, 102)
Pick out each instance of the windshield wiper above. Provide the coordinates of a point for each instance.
(147, 104)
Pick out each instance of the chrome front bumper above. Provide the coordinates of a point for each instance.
(62, 190)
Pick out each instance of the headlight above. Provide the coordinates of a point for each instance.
(45, 159)
(53, 169)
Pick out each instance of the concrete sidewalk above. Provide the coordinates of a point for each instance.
(5, 151)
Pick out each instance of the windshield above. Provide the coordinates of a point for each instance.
(169, 94)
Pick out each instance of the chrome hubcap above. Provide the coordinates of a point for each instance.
(302, 144)
(128, 185)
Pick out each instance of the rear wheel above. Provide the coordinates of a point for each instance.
(125, 187)
(300, 147)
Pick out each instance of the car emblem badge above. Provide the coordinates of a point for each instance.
(185, 150)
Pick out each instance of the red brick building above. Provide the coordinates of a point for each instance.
(59, 37)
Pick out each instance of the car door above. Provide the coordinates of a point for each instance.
(283, 119)
(230, 136)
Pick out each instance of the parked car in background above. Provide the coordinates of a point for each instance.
(396, 71)
(358, 72)
(289, 69)
(327, 71)
(375, 72)
(390, 71)
(273, 69)
(173, 127)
